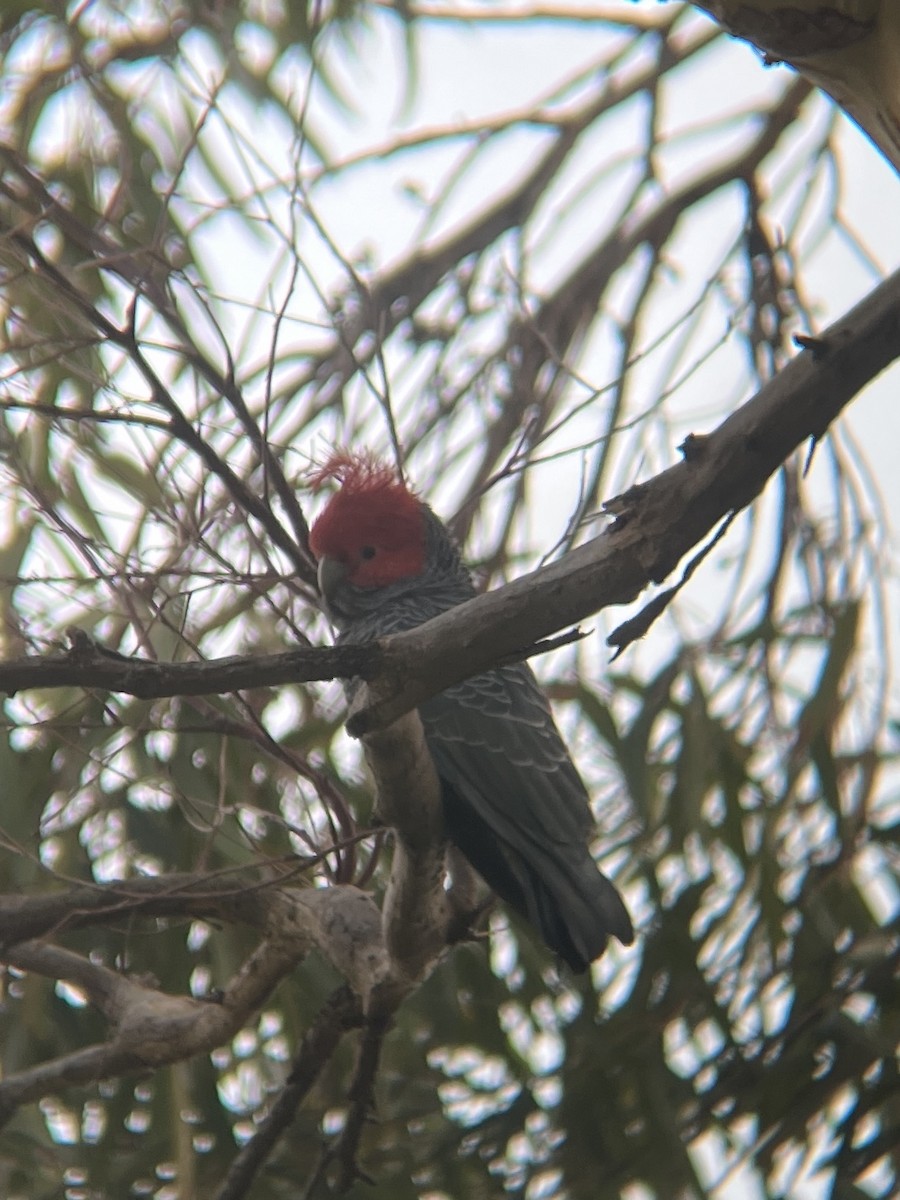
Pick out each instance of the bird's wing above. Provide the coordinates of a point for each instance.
(494, 740)
(517, 808)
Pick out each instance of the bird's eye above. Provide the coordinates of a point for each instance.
(367, 552)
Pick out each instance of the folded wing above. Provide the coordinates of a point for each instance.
(517, 808)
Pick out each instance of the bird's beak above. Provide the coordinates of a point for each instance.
(331, 573)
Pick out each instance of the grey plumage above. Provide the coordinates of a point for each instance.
(514, 802)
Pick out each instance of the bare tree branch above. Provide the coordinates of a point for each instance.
(361, 1097)
(657, 522)
(235, 896)
(417, 911)
(88, 665)
(851, 51)
(150, 1027)
(340, 1013)
(382, 957)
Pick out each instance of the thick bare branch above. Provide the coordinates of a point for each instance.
(657, 522)
(150, 1027)
(851, 51)
(107, 990)
(103, 1061)
(417, 912)
(88, 665)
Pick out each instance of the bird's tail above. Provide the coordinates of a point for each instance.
(576, 911)
(559, 891)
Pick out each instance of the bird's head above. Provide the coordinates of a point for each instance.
(372, 533)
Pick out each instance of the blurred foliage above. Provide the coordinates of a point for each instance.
(207, 239)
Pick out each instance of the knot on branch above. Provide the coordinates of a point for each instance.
(157, 1028)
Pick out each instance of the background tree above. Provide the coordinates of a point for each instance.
(850, 48)
(524, 253)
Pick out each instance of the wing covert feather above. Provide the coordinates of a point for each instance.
(494, 738)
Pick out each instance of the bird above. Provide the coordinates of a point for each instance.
(513, 801)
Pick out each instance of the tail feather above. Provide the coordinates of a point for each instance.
(572, 904)
(576, 912)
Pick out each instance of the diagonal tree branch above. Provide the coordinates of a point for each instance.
(383, 957)
(656, 524)
(851, 51)
(149, 1027)
(340, 1013)
(362, 1102)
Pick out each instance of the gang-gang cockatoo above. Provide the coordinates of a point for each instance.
(513, 801)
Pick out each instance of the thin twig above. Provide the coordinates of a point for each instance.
(362, 1101)
(340, 1013)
